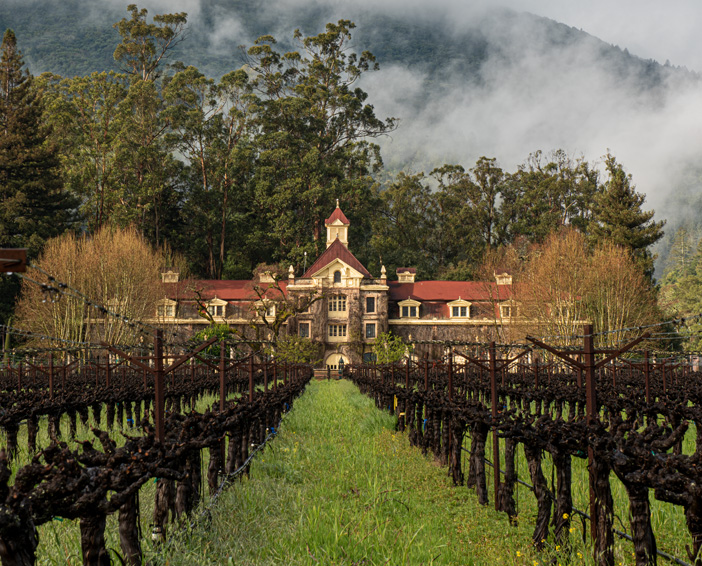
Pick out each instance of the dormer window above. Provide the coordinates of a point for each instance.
(409, 308)
(217, 308)
(117, 305)
(337, 276)
(509, 310)
(266, 309)
(459, 308)
(166, 308)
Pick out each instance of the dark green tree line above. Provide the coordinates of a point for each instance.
(33, 203)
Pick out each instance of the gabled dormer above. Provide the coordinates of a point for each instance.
(337, 227)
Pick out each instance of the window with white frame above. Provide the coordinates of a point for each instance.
(370, 330)
(337, 330)
(216, 310)
(265, 308)
(459, 308)
(509, 310)
(409, 308)
(337, 303)
(303, 329)
(165, 309)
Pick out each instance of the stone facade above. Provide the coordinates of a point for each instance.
(349, 307)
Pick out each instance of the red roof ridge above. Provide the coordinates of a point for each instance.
(337, 215)
(337, 250)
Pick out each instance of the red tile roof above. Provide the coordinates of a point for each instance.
(225, 290)
(337, 250)
(449, 291)
(338, 215)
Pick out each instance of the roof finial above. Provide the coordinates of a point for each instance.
(337, 203)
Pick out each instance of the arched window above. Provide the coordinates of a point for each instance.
(337, 276)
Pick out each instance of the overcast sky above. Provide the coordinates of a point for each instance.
(655, 29)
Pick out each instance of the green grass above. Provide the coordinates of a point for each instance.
(339, 486)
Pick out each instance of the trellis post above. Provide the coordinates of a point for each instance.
(591, 411)
(159, 394)
(495, 440)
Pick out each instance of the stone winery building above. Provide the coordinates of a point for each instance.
(338, 304)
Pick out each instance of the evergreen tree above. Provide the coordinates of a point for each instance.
(547, 193)
(680, 262)
(33, 204)
(618, 217)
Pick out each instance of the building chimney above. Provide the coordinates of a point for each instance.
(170, 277)
(406, 274)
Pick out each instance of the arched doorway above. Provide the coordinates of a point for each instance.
(333, 360)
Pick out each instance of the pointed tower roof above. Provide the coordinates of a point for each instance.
(336, 250)
(337, 215)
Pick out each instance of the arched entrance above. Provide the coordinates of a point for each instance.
(333, 360)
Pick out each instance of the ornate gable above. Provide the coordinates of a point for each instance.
(336, 252)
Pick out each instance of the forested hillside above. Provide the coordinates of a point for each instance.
(76, 37)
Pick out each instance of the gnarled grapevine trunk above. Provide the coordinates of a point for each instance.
(604, 506)
(645, 547)
(92, 541)
(543, 499)
(506, 488)
(564, 498)
(129, 537)
(476, 470)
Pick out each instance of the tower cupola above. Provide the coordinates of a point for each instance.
(337, 227)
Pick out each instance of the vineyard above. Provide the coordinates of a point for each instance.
(625, 416)
(150, 432)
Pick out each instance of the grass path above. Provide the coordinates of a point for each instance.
(338, 486)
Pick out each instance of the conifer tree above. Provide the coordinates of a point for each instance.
(33, 204)
(618, 217)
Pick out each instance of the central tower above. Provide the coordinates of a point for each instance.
(337, 227)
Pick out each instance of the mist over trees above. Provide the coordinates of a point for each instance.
(240, 170)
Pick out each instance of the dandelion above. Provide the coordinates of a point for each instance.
(565, 515)
(572, 529)
(558, 547)
(580, 554)
(519, 553)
